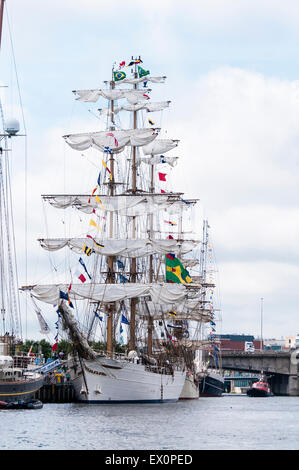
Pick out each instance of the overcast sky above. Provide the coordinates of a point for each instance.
(232, 75)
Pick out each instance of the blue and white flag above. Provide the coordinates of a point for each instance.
(85, 268)
(122, 278)
(108, 150)
(98, 316)
(120, 264)
(124, 320)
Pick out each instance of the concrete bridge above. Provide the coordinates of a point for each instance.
(280, 367)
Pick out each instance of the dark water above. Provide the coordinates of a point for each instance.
(229, 422)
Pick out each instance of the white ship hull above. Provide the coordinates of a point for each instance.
(106, 381)
(190, 389)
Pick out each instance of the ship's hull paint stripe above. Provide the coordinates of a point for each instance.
(112, 402)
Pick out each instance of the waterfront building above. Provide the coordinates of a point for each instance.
(234, 342)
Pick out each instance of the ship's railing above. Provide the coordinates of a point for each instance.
(49, 366)
(159, 369)
(141, 360)
(114, 355)
(15, 378)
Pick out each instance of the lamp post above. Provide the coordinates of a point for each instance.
(262, 302)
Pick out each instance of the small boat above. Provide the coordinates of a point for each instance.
(32, 404)
(211, 384)
(259, 389)
(17, 383)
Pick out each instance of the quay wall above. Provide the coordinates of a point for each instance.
(56, 393)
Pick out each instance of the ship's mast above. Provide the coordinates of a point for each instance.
(2, 275)
(110, 279)
(203, 251)
(151, 273)
(8, 268)
(132, 341)
(1, 18)
(203, 272)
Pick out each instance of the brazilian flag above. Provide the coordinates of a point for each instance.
(119, 76)
(175, 270)
(142, 72)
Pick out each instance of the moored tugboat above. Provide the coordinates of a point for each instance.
(259, 389)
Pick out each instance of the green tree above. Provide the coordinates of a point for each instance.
(46, 348)
(25, 347)
(65, 346)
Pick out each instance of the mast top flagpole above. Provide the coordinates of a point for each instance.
(1, 19)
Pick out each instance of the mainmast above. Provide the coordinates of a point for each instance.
(110, 279)
(151, 275)
(132, 341)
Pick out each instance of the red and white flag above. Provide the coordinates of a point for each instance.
(162, 176)
(80, 276)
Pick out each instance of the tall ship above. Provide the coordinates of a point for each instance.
(204, 376)
(208, 365)
(129, 275)
(17, 381)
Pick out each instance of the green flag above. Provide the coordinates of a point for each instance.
(142, 72)
(119, 76)
(176, 271)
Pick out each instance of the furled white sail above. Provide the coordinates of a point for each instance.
(190, 263)
(134, 81)
(116, 247)
(148, 106)
(129, 107)
(130, 206)
(160, 146)
(133, 96)
(188, 305)
(194, 316)
(157, 159)
(115, 140)
(162, 293)
(186, 309)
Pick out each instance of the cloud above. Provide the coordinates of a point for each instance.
(241, 130)
(238, 128)
(239, 138)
